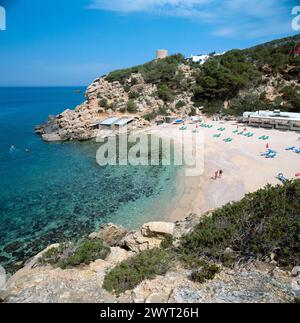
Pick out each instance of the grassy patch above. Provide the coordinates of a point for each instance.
(133, 271)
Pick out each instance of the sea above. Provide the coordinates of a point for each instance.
(57, 192)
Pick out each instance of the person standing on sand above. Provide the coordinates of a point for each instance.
(220, 173)
(216, 174)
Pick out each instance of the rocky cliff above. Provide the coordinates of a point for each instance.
(105, 98)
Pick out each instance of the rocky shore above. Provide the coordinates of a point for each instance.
(135, 98)
(256, 282)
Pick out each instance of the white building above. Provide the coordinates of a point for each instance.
(201, 59)
(273, 119)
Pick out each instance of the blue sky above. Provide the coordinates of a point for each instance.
(55, 42)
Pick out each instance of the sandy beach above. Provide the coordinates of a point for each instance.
(245, 170)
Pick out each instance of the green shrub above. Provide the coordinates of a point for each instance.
(103, 103)
(133, 95)
(167, 243)
(130, 273)
(150, 116)
(164, 93)
(53, 255)
(262, 223)
(127, 88)
(85, 253)
(158, 72)
(180, 104)
(131, 106)
(207, 272)
(193, 112)
(292, 95)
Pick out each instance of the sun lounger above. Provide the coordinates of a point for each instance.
(282, 178)
(269, 153)
(290, 148)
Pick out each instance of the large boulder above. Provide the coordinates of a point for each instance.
(117, 255)
(136, 242)
(158, 229)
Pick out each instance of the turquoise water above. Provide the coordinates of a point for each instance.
(57, 192)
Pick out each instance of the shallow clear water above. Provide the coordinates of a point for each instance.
(57, 191)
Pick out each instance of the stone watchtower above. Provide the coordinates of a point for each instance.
(161, 54)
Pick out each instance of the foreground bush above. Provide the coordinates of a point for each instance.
(70, 255)
(264, 222)
(133, 271)
(87, 252)
(206, 272)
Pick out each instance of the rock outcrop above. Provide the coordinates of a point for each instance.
(157, 229)
(105, 99)
(110, 233)
(256, 283)
(240, 286)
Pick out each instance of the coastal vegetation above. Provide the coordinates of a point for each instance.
(205, 272)
(237, 77)
(264, 226)
(133, 271)
(71, 255)
(261, 224)
(223, 77)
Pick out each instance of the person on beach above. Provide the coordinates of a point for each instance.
(220, 173)
(216, 174)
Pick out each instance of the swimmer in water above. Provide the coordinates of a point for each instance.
(27, 150)
(12, 148)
